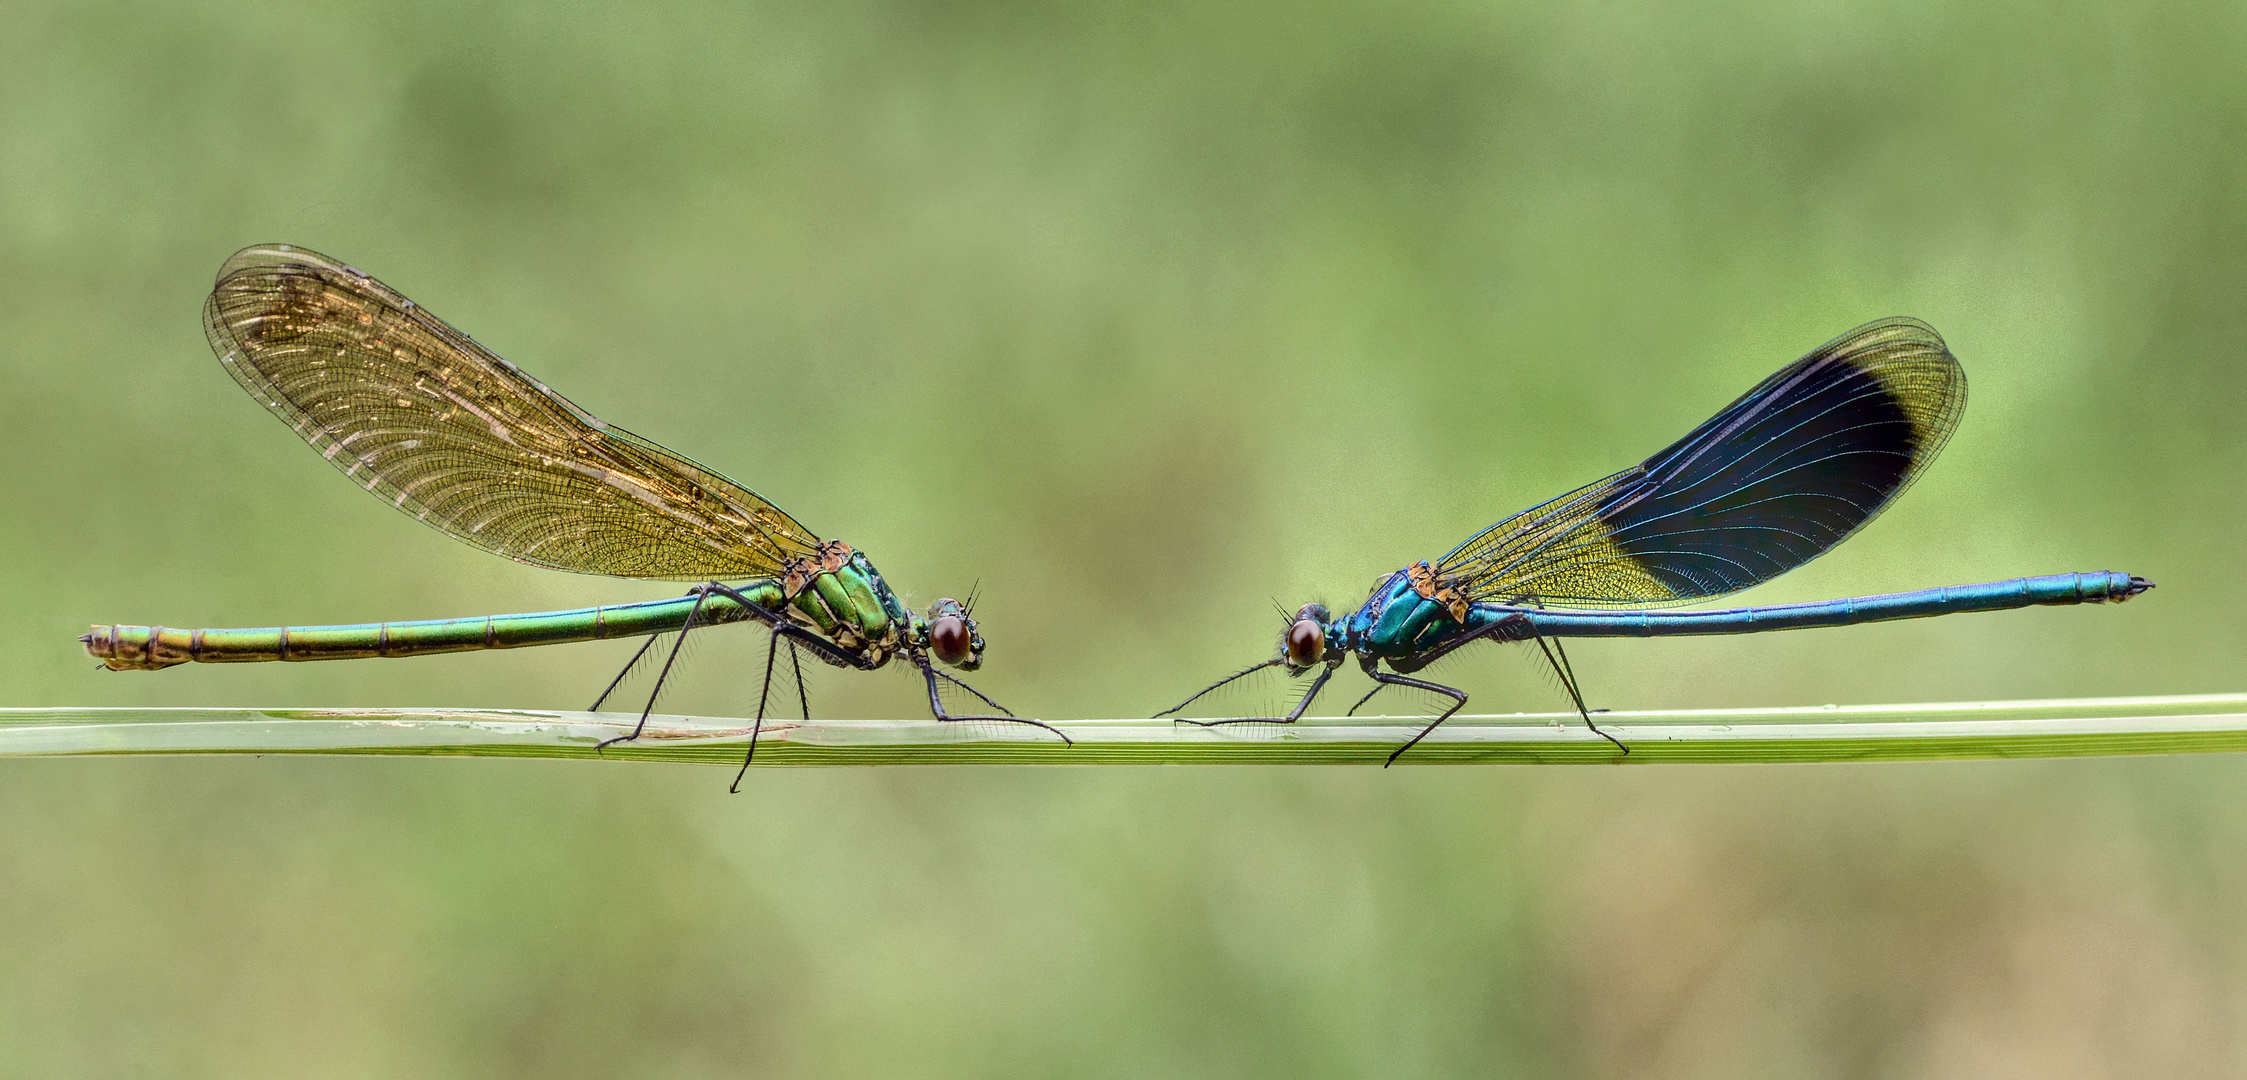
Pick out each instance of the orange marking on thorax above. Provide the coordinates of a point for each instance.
(1445, 591)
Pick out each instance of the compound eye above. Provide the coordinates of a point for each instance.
(1306, 641)
(949, 639)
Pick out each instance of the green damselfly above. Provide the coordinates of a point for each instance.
(431, 422)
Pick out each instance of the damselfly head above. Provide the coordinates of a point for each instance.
(952, 635)
(1306, 636)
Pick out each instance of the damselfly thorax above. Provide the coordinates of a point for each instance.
(840, 594)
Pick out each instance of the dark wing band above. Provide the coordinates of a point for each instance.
(436, 425)
(1781, 475)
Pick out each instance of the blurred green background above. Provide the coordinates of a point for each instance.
(1145, 316)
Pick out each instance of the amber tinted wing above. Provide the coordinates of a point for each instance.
(419, 414)
(1780, 476)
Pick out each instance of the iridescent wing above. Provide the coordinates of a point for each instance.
(419, 414)
(1784, 473)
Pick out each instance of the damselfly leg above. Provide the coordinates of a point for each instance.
(1326, 671)
(778, 623)
(764, 697)
(936, 702)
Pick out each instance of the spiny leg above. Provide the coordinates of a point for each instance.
(778, 622)
(796, 665)
(803, 698)
(1293, 715)
(629, 665)
(978, 693)
(1459, 701)
(700, 595)
(936, 703)
(1486, 632)
(1241, 674)
(1568, 680)
(772, 648)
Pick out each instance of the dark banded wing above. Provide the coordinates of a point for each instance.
(1784, 473)
(419, 414)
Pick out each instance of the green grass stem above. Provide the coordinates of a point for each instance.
(1951, 731)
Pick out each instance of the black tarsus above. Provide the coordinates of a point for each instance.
(1568, 682)
(1325, 672)
(772, 649)
(1458, 701)
(940, 673)
(936, 702)
(701, 595)
(1241, 674)
(803, 698)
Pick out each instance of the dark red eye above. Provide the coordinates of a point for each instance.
(949, 640)
(1306, 640)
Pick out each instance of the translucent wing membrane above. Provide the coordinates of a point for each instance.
(419, 414)
(1782, 474)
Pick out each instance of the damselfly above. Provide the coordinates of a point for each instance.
(1789, 470)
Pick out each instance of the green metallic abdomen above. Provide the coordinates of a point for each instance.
(149, 648)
